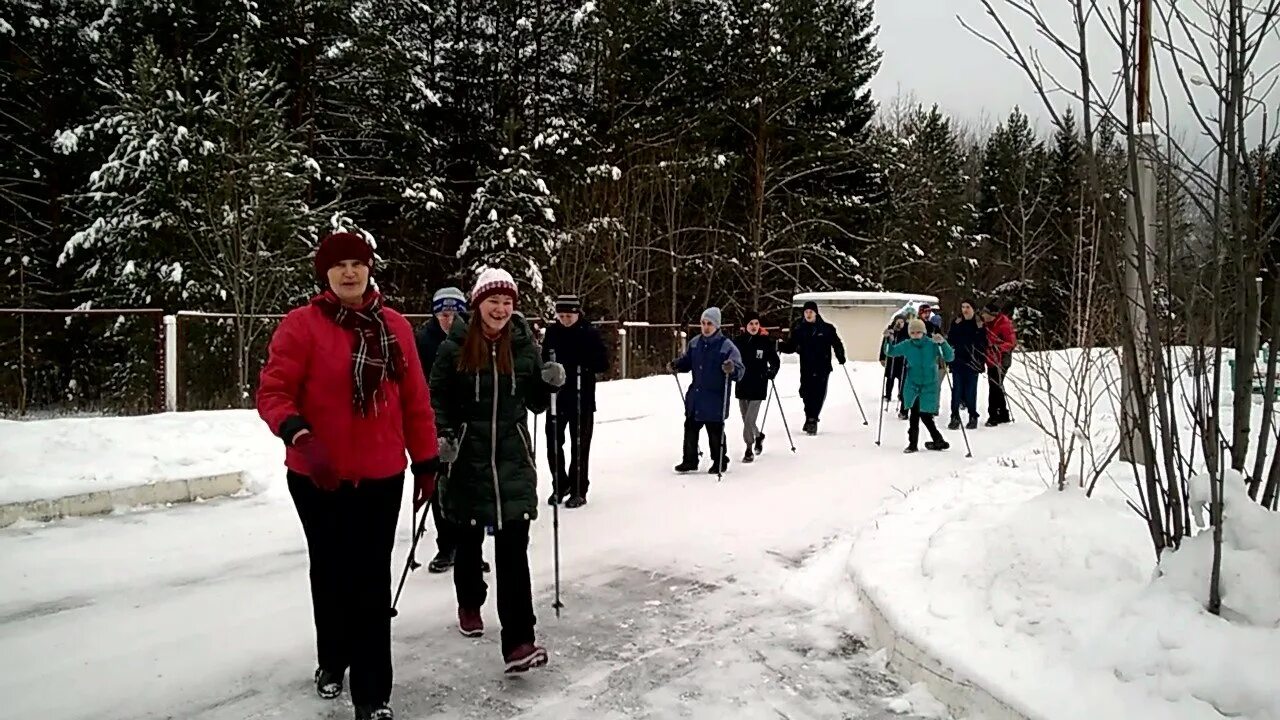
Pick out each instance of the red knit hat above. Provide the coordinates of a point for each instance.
(339, 246)
(493, 282)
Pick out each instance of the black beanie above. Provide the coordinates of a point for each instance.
(811, 305)
(753, 315)
(992, 308)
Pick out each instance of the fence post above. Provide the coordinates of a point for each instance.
(622, 331)
(171, 363)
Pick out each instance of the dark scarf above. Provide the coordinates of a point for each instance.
(376, 356)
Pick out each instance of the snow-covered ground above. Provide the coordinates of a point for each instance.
(54, 458)
(1053, 602)
(683, 597)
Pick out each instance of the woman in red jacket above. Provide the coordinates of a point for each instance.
(1001, 341)
(344, 389)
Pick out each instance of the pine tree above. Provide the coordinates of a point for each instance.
(1016, 206)
(795, 113)
(925, 214)
(512, 225)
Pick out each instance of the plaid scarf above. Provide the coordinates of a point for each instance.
(376, 356)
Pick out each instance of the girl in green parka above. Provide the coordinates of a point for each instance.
(922, 385)
(486, 378)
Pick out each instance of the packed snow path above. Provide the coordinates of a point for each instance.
(684, 597)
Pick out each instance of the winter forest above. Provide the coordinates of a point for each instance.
(655, 157)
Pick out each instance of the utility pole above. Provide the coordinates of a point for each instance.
(1139, 246)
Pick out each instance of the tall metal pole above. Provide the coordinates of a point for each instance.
(1144, 62)
(1139, 242)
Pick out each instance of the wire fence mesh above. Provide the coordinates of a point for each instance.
(58, 362)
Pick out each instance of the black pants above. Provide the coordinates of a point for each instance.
(997, 401)
(715, 438)
(515, 590)
(446, 534)
(893, 373)
(575, 479)
(917, 417)
(350, 533)
(813, 390)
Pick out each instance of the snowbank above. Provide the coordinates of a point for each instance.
(69, 456)
(1052, 601)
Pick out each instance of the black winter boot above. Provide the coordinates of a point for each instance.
(328, 685)
(575, 501)
(759, 443)
(381, 711)
(937, 445)
(441, 562)
(749, 456)
(973, 423)
(955, 422)
(687, 466)
(909, 449)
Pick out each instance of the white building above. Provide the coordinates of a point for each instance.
(861, 317)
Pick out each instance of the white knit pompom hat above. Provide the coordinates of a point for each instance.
(493, 281)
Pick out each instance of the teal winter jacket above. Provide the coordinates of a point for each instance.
(923, 379)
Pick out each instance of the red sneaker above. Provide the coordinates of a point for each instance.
(526, 657)
(470, 623)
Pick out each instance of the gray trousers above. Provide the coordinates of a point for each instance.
(750, 412)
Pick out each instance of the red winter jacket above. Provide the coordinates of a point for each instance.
(307, 383)
(1001, 339)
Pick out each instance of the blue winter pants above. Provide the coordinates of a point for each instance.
(965, 391)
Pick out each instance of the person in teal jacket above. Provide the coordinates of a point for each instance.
(922, 386)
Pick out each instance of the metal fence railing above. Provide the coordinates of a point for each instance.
(142, 360)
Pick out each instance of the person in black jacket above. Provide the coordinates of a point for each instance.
(969, 340)
(447, 305)
(895, 367)
(579, 348)
(814, 339)
(760, 356)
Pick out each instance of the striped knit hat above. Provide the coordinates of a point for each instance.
(493, 281)
(450, 298)
(568, 304)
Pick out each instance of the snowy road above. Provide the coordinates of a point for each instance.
(684, 597)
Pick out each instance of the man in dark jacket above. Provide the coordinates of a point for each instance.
(814, 339)
(969, 340)
(895, 367)
(577, 346)
(714, 362)
(447, 305)
(760, 357)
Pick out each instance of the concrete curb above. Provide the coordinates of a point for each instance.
(102, 502)
(961, 695)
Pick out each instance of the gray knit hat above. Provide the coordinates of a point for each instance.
(712, 315)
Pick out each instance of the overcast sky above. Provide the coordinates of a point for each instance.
(929, 54)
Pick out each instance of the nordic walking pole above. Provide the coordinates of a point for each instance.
(891, 372)
(968, 451)
(768, 400)
(724, 432)
(782, 412)
(855, 395)
(577, 436)
(412, 562)
(555, 482)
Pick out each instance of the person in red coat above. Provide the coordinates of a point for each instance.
(1001, 340)
(344, 389)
